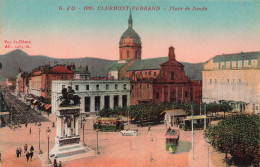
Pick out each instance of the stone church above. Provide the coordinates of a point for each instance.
(152, 80)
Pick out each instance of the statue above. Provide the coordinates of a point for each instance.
(68, 98)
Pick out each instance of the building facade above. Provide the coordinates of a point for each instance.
(233, 79)
(152, 80)
(95, 94)
(22, 84)
(41, 79)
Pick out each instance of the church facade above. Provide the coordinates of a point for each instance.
(152, 80)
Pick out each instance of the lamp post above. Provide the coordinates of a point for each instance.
(84, 120)
(48, 131)
(39, 126)
(192, 132)
(208, 145)
(97, 142)
(205, 119)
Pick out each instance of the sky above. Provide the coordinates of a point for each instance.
(225, 27)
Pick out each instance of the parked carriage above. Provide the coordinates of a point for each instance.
(109, 124)
(198, 122)
(172, 139)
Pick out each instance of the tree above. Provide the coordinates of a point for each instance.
(237, 136)
(225, 108)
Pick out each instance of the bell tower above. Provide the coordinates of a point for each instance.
(130, 46)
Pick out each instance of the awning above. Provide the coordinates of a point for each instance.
(196, 117)
(171, 136)
(47, 106)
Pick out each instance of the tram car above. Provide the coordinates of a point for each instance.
(198, 122)
(172, 139)
(108, 124)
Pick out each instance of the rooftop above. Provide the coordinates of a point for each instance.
(60, 70)
(148, 64)
(237, 57)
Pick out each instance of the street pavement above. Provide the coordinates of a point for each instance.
(145, 150)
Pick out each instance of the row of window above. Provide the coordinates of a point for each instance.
(141, 86)
(238, 64)
(98, 87)
(127, 53)
(255, 107)
(228, 81)
(146, 74)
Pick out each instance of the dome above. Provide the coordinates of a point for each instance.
(132, 34)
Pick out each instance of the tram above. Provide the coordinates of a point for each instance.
(172, 139)
(108, 124)
(198, 122)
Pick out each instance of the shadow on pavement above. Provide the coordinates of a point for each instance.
(183, 146)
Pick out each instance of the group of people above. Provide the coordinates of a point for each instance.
(28, 153)
(55, 163)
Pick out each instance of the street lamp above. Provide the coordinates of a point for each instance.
(208, 145)
(48, 131)
(84, 120)
(39, 126)
(97, 142)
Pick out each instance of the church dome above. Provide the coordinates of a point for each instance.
(130, 33)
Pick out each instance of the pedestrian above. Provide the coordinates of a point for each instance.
(30, 131)
(149, 128)
(25, 148)
(27, 156)
(26, 125)
(48, 114)
(60, 165)
(53, 124)
(31, 155)
(20, 151)
(55, 163)
(31, 149)
(17, 153)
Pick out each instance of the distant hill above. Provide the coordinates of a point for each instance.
(193, 70)
(97, 67)
(18, 58)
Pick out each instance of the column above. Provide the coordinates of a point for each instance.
(102, 102)
(82, 103)
(162, 97)
(177, 94)
(169, 92)
(77, 126)
(92, 103)
(111, 101)
(182, 92)
(128, 100)
(120, 100)
(66, 129)
(58, 127)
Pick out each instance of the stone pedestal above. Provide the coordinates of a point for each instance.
(68, 143)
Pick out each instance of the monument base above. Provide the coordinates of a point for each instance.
(67, 146)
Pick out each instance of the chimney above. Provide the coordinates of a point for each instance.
(171, 54)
